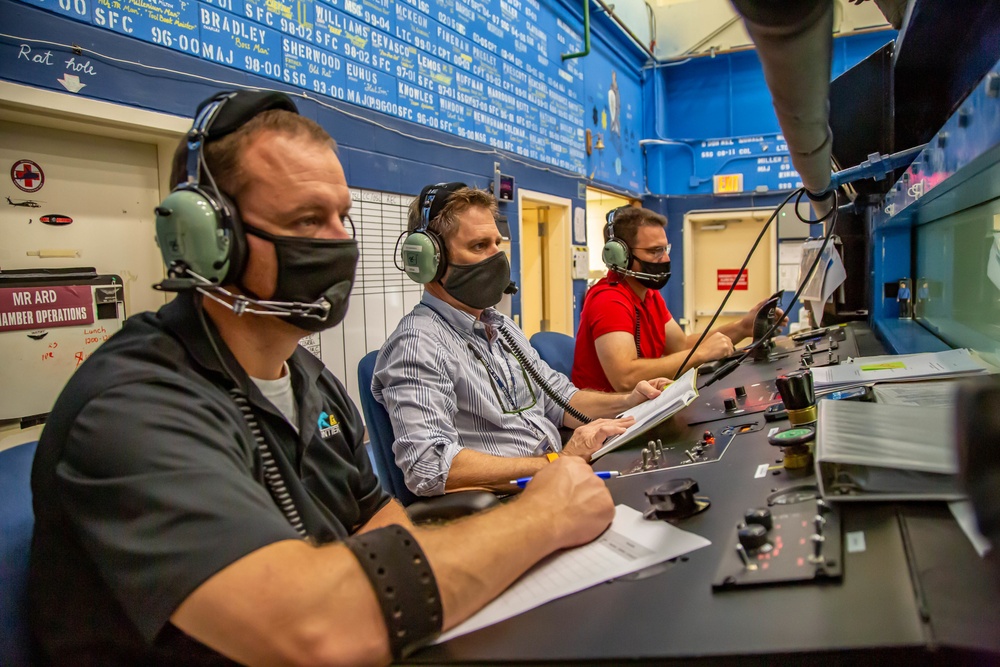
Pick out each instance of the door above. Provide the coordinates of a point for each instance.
(717, 246)
(546, 287)
(599, 204)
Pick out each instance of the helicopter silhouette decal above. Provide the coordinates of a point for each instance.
(29, 203)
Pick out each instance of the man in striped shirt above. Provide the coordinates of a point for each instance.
(472, 405)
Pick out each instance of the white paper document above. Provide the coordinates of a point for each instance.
(628, 545)
(825, 280)
(672, 400)
(897, 368)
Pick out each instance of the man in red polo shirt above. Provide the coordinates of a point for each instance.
(626, 332)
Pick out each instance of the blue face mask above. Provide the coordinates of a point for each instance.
(480, 285)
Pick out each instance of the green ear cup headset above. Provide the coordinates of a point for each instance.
(423, 252)
(198, 228)
(616, 254)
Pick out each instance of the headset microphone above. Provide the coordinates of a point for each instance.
(198, 228)
(616, 254)
(511, 288)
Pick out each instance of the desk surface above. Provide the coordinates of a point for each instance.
(918, 591)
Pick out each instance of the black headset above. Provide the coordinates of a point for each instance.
(198, 228)
(423, 252)
(616, 254)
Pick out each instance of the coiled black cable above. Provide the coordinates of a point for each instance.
(269, 467)
(533, 373)
(272, 474)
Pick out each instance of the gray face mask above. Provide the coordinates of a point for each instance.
(480, 285)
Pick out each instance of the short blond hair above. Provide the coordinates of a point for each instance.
(446, 223)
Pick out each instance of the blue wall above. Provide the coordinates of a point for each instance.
(378, 150)
(721, 98)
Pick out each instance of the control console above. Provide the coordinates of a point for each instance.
(783, 543)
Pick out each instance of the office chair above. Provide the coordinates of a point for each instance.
(439, 508)
(16, 524)
(555, 349)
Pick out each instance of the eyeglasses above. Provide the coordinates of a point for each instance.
(512, 394)
(657, 252)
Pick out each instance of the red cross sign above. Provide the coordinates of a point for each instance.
(27, 175)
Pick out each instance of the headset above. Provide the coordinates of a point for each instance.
(616, 254)
(423, 252)
(198, 228)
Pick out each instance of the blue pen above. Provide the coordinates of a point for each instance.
(603, 474)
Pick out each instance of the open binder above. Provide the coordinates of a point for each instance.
(675, 397)
(874, 451)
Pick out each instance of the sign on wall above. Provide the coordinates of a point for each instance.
(732, 165)
(32, 308)
(726, 277)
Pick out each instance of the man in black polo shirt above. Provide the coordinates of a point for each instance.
(201, 491)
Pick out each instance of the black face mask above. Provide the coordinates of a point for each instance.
(480, 285)
(660, 269)
(310, 271)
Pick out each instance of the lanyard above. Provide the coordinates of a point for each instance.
(486, 362)
(489, 368)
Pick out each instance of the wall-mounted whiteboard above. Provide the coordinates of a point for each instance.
(382, 295)
(48, 326)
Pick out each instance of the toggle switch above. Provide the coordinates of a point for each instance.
(817, 555)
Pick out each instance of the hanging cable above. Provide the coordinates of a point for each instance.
(269, 467)
(832, 215)
(736, 279)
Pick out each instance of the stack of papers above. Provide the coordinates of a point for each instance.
(630, 544)
(675, 397)
(871, 451)
(828, 276)
(897, 368)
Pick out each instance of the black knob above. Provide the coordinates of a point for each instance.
(730, 404)
(741, 392)
(675, 500)
(752, 537)
(759, 516)
(796, 389)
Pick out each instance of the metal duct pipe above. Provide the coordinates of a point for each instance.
(794, 40)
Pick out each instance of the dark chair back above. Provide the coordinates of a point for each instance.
(555, 349)
(16, 524)
(380, 433)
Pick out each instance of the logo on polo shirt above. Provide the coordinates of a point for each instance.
(328, 425)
